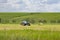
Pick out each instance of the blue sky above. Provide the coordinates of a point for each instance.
(29, 5)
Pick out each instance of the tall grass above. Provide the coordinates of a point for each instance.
(29, 35)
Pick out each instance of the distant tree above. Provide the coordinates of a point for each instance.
(32, 21)
(42, 21)
(53, 21)
(13, 21)
(0, 20)
(58, 21)
(32, 13)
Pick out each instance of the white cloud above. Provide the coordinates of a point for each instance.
(53, 7)
(13, 3)
(3, 1)
(29, 5)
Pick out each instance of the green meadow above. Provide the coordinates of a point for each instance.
(29, 35)
(16, 17)
(10, 28)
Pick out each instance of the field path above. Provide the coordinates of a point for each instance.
(33, 27)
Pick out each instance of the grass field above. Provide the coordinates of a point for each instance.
(29, 35)
(10, 28)
(51, 27)
(15, 18)
(33, 32)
